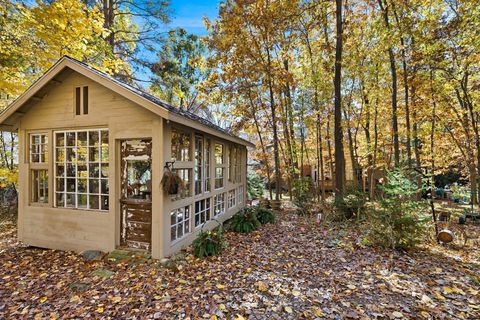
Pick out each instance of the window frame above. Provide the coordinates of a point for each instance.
(207, 210)
(33, 185)
(41, 152)
(217, 165)
(81, 100)
(185, 222)
(220, 204)
(231, 199)
(100, 179)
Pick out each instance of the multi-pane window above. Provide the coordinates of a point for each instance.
(231, 160)
(202, 211)
(39, 183)
(240, 194)
(179, 223)
(180, 145)
(219, 175)
(218, 153)
(236, 170)
(219, 204)
(38, 148)
(184, 174)
(207, 165)
(231, 199)
(81, 169)
(219, 166)
(198, 164)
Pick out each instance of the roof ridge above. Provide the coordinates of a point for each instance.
(154, 99)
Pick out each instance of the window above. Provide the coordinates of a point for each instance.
(81, 100)
(231, 199)
(219, 173)
(219, 204)
(219, 166)
(179, 223)
(180, 146)
(39, 186)
(184, 174)
(207, 165)
(38, 148)
(231, 160)
(81, 169)
(198, 164)
(240, 195)
(237, 167)
(202, 211)
(218, 153)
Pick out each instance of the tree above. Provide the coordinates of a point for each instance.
(339, 154)
(181, 66)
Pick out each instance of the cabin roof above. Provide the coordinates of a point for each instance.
(17, 108)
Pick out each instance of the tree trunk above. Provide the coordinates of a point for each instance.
(338, 132)
(275, 131)
(393, 71)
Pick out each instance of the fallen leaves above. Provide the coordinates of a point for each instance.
(278, 272)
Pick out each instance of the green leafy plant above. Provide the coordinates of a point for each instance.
(245, 221)
(353, 204)
(254, 186)
(399, 221)
(265, 215)
(209, 243)
(302, 191)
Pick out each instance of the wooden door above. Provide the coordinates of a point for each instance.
(136, 194)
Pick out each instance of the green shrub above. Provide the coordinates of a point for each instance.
(209, 243)
(352, 204)
(254, 186)
(245, 221)
(303, 194)
(399, 221)
(265, 215)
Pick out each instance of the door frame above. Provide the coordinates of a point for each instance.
(120, 195)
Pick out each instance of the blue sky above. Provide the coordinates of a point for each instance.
(188, 14)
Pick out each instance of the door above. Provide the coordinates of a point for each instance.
(136, 194)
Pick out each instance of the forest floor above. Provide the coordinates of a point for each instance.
(293, 269)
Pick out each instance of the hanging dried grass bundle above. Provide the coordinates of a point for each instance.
(171, 182)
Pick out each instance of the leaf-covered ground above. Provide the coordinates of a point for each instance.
(293, 269)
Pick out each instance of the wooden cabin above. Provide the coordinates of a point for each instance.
(92, 154)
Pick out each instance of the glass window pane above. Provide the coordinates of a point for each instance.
(82, 138)
(60, 139)
(94, 202)
(60, 184)
(93, 139)
(94, 170)
(82, 185)
(94, 154)
(94, 187)
(60, 201)
(70, 200)
(104, 204)
(180, 148)
(71, 170)
(82, 201)
(105, 188)
(70, 139)
(70, 185)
